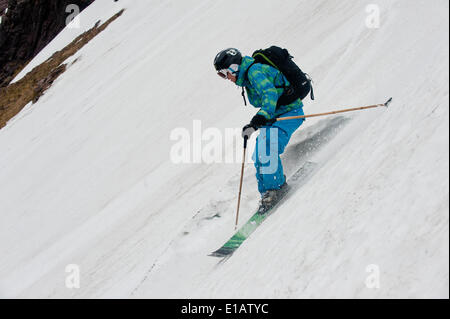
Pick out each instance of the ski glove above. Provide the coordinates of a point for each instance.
(257, 121)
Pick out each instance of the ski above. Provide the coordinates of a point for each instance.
(294, 182)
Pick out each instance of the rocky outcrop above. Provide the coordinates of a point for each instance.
(27, 28)
(34, 84)
(3, 6)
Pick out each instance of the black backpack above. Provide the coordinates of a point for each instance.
(300, 82)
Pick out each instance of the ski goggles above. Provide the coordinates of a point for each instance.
(223, 73)
(232, 70)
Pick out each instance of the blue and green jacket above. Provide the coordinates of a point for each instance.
(264, 85)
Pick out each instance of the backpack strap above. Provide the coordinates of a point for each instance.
(246, 77)
(243, 96)
(311, 94)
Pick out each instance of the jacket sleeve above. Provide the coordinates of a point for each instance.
(266, 91)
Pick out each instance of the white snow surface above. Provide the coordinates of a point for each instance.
(87, 176)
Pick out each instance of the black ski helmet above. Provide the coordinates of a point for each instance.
(227, 57)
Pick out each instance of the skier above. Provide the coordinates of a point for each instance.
(264, 85)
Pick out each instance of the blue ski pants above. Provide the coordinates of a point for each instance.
(270, 144)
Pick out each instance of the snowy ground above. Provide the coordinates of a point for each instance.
(87, 177)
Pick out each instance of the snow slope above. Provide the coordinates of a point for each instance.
(87, 177)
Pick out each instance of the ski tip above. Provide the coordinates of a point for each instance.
(388, 102)
(218, 255)
(222, 252)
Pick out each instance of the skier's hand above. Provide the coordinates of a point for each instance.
(247, 131)
(259, 120)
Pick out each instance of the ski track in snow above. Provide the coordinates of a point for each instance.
(296, 155)
(86, 176)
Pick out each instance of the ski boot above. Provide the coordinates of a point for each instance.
(270, 198)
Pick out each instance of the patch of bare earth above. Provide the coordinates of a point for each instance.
(14, 97)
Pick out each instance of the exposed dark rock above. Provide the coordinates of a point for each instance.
(3, 6)
(27, 28)
(15, 96)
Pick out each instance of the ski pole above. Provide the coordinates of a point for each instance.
(335, 112)
(240, 184)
